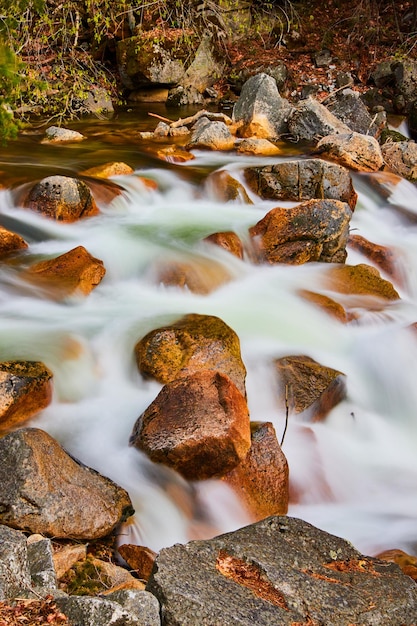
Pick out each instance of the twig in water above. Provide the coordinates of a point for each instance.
(286, 415)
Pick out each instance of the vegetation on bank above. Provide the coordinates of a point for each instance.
(52, 52)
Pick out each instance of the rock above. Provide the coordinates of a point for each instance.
(326, 304)
(44, 490)
(149, 94)
(206, 67)
(361, 153)
(201, 276)
(139, 558)
(385, 259)
(255, 145)
(348, 107)
(261, 479)
(14, 566)
(108, 170)
(221, 186)
(405, 73)
(260, 111)
(115, 576)
(183, 96)
(174, 154)
(359, 279)
(406, 562)
(322, 58)
(306, 387)
(74, 272)
(10, 243)
(96, 101)
(279, 571)
(316, 230)
(197, 425)
(88, 611)
(62, 198)
(311, 120)
(67, 556)
(56, 134)
(228, 241)
(25, 389)
(383, 74)
(302, 180)
(401, 158)
(41, 563)
(142, 604)
(211, 135)
(193, 343)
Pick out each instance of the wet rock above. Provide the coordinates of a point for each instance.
(41, 563)
(302, 180)
(260, 110)
(261, 479)
(197, 425)
(228, 241)
(361, 153)
(280, 571)
(139, 558)
(256, 145)
(44, 490)
(401, 158)
(311, 121)
(326, 304)
(88, 611)
(25, 389)
(359, 279)
(224, 188)
(201, 276)
(62, 198)
(107, 170)
(195, 342)
(308, 388)
(175, 154)
(316, 230)
(74, 272)
(142, 604)
(386, 259)
(56, 134)
(14, 566)
(407, 562)
(10, 243)
(211, 135)
(352, 111)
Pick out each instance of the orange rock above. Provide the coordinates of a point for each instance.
(201, 276)
(229, 241)
(174, 154)
(25, 389)
(224, 188)
(139, 558)
(62, 198)
(359, 279)
(109, 169)
(406, 562)
(197, 425)
(382, 256)
(306, 386)
(10, 242)
(333, 308)
(75, 271)
(261, 479)
(65, 557)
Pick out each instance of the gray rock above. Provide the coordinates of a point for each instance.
(279, 571)
(14, 568)
(383, 74)
(55, 134)
(89, 611)
(355, 151)
(206, 67)
(62, 198)
(211, 135)
(311, 120)
(260, 110)
(352, 111)
(41, 564)
(182, 96)
(405, 73)
(142, 604)
(401, 158)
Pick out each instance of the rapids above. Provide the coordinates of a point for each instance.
(355, 473)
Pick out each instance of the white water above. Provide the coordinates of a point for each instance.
(365, 451)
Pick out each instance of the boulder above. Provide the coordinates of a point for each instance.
(197, 425)
(360, 280)
(142, 604)
(108, 170)
(25, 389)
(261, 479)
(348, 107)
(308, 388)
(206, 67)
(311, 120)
(89, 611)
(10, 243)
(259, 146)
(41, 562)
(14, 566)
(211, 135)
(260, 110)
(180, 96)
(405, 74)
(62, 198)
(74, 272)
(96, 101)
(140, 559)
(302, 179)
(193, 343)
(222, 187)
(56, 134)
(384, 258)
(44, 490)
(316, 230)
(283, 571)
(228, 241)
(401, 158)
(407, 562)
(361, 153)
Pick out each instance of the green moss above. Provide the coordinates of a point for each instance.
(85, 578)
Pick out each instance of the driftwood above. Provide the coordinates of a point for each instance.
(188, 121)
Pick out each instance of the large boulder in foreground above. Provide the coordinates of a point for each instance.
(197, 425)
(193, 343)
(280, 571)
(25, 389)
(44, 490)
(316, 230)
(62, 198)
(302, 179)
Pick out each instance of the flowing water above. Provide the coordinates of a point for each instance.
(355, 473)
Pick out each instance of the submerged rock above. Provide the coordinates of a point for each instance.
(10, 243)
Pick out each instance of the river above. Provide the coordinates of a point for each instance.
(355, 472)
